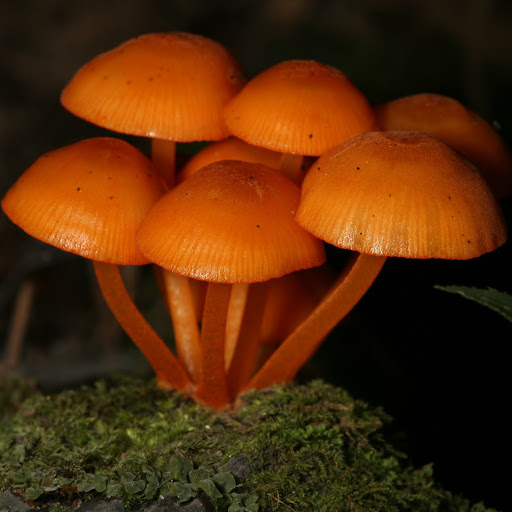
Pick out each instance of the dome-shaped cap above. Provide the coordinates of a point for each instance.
(301, 107)
(169, 86)
(87, 198)
(401, 194)
(229, 149)
(230, 222)
(459, 127)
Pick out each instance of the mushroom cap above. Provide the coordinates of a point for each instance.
(87, 198)
(300, 107)
(459, 127)
(229, 149)
(170, 86)
(401, 194)
(230, 222)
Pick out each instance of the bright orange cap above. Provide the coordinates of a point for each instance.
(229, 149)
(230, 222)
(401, 194)
(301, 107)
(170, 86)
(459, 127)
(87, 198)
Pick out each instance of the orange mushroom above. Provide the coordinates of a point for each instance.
(289, 297)
(299, 107)
(89, 199)
(166, 86)
(229, 223)
(169, 87)
(229, 149)
(459, 127)
(382, 194)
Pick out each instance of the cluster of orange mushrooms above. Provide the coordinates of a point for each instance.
(297, 158)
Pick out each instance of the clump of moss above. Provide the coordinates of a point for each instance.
(309, 447)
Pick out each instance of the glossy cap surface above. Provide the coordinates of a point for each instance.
(301, 107)
(459, 127)
(401, 194)
(229, 149)
(87, 198)
(230, 222)
(170, 86)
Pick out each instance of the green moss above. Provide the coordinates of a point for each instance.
(310, 448)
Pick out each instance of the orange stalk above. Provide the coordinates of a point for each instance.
(168, 369)
(177, 293)
(180, 303)
(300, 345)
(237, 302)
(163, 156)
(291, 166)
(212, 389)
(245, 355)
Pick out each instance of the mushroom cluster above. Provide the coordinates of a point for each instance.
(296, 158)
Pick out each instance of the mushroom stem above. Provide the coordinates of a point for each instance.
(18, 326)
(163, 156)
(237, 302)
(245, 355)
(300, 345)
(168, 369)
(212, 389)
(291, 166)
(180, 304)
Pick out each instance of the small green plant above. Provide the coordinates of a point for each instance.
(180, 480)
(298, 448)
(500, 302)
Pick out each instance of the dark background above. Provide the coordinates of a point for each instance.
(436, 362)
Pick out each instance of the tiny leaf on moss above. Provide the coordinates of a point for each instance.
(207, 485)
(201, 473)
(179, 468)
(182, 491)
(225, 481)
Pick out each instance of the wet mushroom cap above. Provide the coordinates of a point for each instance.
(300, 107)
(170, 86)
(456, 125)
(87, 198)
(229, 149)
(402, 194)
(230, 222)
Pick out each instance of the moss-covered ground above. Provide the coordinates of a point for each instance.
(307, 448)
